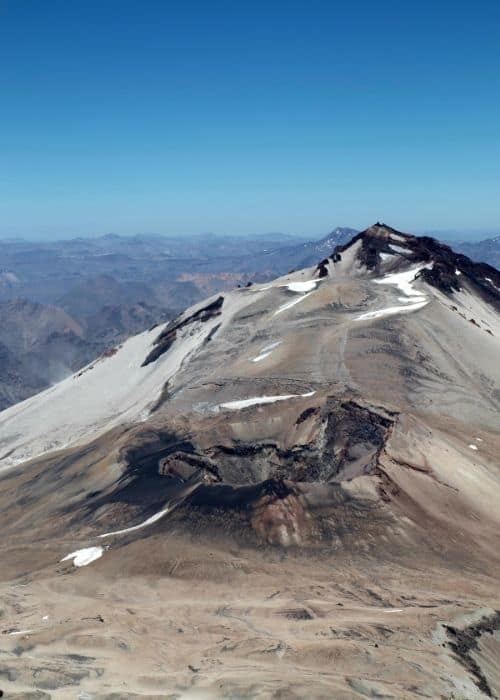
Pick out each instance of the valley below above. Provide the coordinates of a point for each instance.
(178, 617)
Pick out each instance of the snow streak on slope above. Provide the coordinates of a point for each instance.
(149, 521)
(390, 310)
(265, 352)
(289, 304)
(245, 403)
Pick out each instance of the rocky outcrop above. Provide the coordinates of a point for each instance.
(167, 337)
(465, 645)
(448, 272)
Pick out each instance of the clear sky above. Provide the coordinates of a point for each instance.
(247, 117)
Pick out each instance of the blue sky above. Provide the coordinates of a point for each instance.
(233, 117)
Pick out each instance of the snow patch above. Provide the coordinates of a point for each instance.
(412, 299)
(404, 281)
(473, 447)
(82, 557)
(302, 286)
(258, 400)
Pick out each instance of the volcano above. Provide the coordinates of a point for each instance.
(291, 490)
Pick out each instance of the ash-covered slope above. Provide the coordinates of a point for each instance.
(42, 344)
(348, 411)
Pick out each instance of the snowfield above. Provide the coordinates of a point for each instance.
(108, 392)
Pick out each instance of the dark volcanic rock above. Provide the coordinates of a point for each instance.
(465, 641)
(322, 268)
(168, 336)
(262, 483)
(447, 269)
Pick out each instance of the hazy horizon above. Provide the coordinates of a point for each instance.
(443, 234)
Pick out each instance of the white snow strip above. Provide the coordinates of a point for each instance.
(391, 310)
(302, 286)
(386, 256)
(12, 634)
(488, 279)
(289, 304)
(399, 249)
(473, 447)
(245, 403)
(457, 272)
(265, 352)
(149, 521)
(378, 610)
(82, 557)
(261, 357)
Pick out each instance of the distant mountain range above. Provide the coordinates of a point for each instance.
(40, 344)
(481, 251)
(62, 303)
